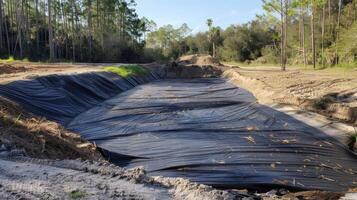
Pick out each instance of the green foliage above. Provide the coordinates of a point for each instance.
(347, 44)
(77, 194)
(169, 40)
(347, 65)
(8, 60)
(245, 42)
(127, 70)
(269, 55)
(198, 44)
(214, 36)
(11, 59)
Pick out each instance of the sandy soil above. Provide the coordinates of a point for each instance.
(200, 60)
(18, 70)
(194, 66)
(333, 94)
(25, 178)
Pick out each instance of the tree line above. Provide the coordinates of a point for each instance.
(75, 30)
(304, 32)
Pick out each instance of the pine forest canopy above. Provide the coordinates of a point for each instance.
(316, 32)
(77, 30)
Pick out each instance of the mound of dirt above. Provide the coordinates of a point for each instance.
(39, 138)
(9, 69)
(200, 60)
(194, 66)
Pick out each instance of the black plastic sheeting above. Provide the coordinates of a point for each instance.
(206, 130)
(62, 97)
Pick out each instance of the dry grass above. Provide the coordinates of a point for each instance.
(41, 138)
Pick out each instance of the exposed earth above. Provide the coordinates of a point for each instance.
(330, 93)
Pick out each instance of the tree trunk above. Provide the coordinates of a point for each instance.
(338, 31)
(28, 36)
(323, 37)
(1, 26)
(313, 36)
(50, 30)
(73, 34)
(37, 28)
(19, 20)
(285, 33)
(90, 29)
(7, 36)
(303, 36)
(214, 50)
(282, 36)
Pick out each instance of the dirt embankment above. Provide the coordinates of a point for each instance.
(9, 69)
(18, 71)
(328, 93)
(194, 66)
(40, 138)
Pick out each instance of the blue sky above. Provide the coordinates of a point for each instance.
(196, 12)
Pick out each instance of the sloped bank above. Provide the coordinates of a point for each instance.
(268, 95)
(31, 109)
(63, 97)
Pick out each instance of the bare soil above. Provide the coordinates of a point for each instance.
(24, 178)
(40, 138)
(200, 60)
(9, 69)
(333, 94)
(19, 70)
(194, 66)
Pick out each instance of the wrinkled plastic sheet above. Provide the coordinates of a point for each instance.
(206, 130)
(62, 97)
(214, 133)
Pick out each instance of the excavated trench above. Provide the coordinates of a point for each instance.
(203, 129)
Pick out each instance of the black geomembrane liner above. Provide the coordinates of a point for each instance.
(206, 130)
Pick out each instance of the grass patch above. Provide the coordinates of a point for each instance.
(127, 70)
(11, 59)
(8, 60)
(77, 194)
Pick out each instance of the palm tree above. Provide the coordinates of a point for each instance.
(213, 35)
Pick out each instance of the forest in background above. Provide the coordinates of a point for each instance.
(72, 30)
(322, 33)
